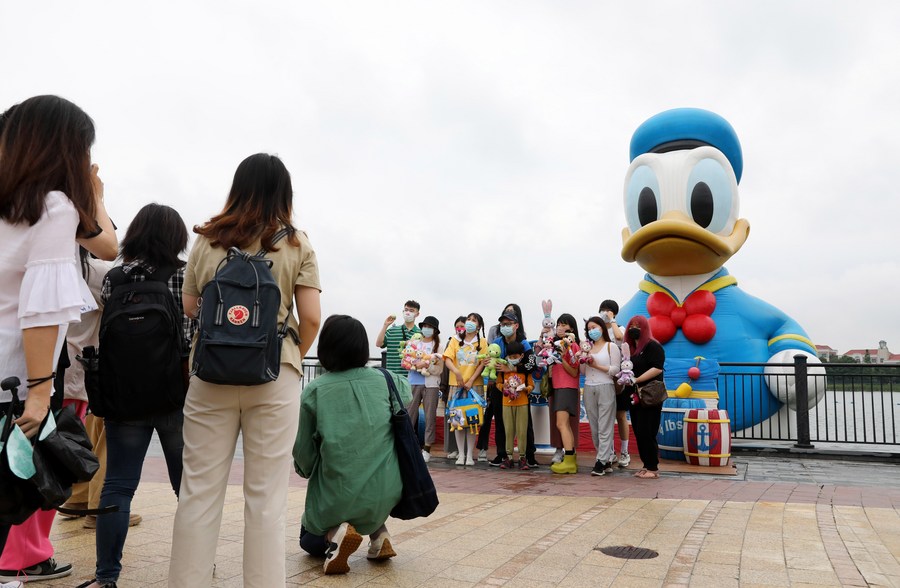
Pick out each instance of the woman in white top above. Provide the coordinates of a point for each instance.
(50, 197)
(599, 392)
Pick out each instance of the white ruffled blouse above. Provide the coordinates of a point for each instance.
(41, 284)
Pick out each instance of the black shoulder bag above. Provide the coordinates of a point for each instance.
(419, 497)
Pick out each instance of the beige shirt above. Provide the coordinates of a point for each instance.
(290, 267)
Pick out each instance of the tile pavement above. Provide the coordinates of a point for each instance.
(779, 521)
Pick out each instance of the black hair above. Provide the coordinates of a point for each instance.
(412, 304)
(569, 320)
(157, 235)
(260, 204)
(599, 322)
(514, 348)
(343, 343)
(459, 319)
(480, 320)
(609, 305)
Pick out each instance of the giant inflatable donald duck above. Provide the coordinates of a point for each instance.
(681, 205)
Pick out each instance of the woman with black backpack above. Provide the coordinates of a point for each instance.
(222, 400)
(142, 382)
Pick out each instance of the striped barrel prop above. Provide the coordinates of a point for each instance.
(671, 436)
(707, 437)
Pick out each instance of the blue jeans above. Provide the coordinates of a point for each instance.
(126, 447)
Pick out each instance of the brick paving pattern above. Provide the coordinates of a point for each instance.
(778, 521)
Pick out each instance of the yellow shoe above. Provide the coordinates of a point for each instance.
(567, 466)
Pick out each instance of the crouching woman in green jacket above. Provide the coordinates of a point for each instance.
(345, 448)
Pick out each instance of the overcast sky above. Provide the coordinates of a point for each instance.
(470, 154)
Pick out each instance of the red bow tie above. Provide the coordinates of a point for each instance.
(692, 317)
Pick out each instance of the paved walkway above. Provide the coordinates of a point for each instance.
(779, 521)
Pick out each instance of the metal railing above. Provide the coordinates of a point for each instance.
(834, 402)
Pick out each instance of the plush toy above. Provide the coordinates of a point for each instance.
(513, 385)
(626, 371)
(546, 352)
(584, 355)
(409, 350)
(547, 324)
(493, 357)
(566, 346)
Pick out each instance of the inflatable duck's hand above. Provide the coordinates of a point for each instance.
(781, 380)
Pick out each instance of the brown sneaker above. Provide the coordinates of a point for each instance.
(90, 521)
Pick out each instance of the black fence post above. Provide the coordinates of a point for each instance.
(802, 388)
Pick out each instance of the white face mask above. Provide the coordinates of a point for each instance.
(427, 332)
(408, 316)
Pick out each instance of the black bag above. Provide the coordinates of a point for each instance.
(653, 393)
(61, 457)
(240, 341)
(419, 497)
(141, 340)
(18, 498)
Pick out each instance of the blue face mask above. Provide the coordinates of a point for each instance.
(471, 327)
(506, 330)
(513, 362)
(427, 332)
(595, 334)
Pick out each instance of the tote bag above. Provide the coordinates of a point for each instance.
(419, 497)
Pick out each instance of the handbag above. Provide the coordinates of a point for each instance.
(546, 385)
(419, 497)
(653, 393)
(466, 409)
(39, 473)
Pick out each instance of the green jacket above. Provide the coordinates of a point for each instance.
(345, 447)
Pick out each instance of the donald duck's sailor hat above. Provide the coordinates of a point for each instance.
(686, 128)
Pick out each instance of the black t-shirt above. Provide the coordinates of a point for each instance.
(652, 356)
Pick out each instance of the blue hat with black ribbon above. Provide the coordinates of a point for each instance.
(687, 128)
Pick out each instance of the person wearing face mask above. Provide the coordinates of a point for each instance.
(461, 358)
(608, 311)
(514, 309)
(566, 406)
(648, 357)
(459, 333)
(516, 385)
(509, 331)
(425, 386)
(394, 337)
(599, 392)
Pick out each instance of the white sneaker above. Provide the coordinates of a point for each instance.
(426, 456)
(469, 461)
(461, 460)
(453, 455)
(13, 584)
(482, 455)
(624, 460)
(380, 548)
(557, 457)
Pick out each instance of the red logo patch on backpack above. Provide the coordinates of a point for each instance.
(238, 314)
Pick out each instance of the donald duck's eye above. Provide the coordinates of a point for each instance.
(642, 198)
(709, 195)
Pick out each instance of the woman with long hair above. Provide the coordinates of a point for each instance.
(566, 406)
(648, 358)
(50, 198)
(601, 364)
(153, 243)
(259, 205)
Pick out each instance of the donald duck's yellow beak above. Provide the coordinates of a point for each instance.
(675, 245)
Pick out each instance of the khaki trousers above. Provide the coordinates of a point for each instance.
(267, 417)
(89, 492)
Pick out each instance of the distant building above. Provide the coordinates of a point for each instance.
(826, 353)
(880, 355)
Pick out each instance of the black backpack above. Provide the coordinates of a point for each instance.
(239, 340)
(141, 340)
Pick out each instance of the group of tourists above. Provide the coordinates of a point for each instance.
(520, 372)
(62, 334)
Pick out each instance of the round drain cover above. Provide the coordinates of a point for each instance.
(628, 552)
